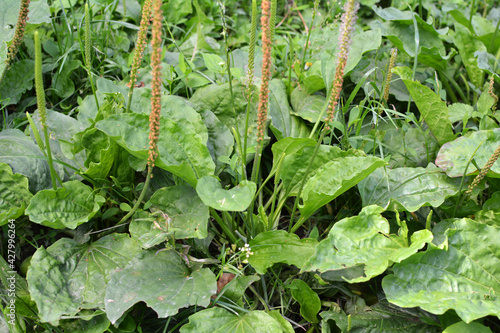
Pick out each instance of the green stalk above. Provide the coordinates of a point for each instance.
(88, 54)
(40, 97)
(250, 75)
(302, 63)
(139, 200)
(272, 19)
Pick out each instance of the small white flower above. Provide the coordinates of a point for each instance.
(222, 63)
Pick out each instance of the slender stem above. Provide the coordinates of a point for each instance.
(141, 196)
(302, 64)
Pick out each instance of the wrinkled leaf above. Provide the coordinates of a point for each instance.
(237, 287)
(309, 301)
(454, 156)
(181, 150)
(462, 277)
(96, 324)
(68, 275)
(161, 280)
(279, 246)
(279, 108)
(67, 207)
(14, 194)
(407, 188)
(236, 199)
(101, 151)
(364, 241)
(218, 320)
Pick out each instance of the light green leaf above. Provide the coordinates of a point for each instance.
(363, 244)
(61, 129)
(459, 111)
(69, 276)
(361, 43)
(67, 207)
(235, 289)
(14, 194)
(462, 277)
(433, 109)
(279, 108)
(213, 62)
(161, 280)
(309, 301)
(181, 151)
(462, 327)
(218, 320)
(236, 199)
(454, 156)
(407, 188)
(279, 246)
(486, 61)
(24, 157)
(334, 178)
(217, 98)
(101, 151)
(467, 44)
(189, 216)
(64, 86)
(306, 106)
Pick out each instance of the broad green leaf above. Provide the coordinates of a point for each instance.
(408, 147)
(63, 81)
(67, 207)
(236, 199)
(14, 194)
(24, 157)
(187, 212)
(220, 140)
(279, 246)
(309, 301)
(463, 277)
(68, 276)
(381, 317)
(213, 62)
(454, 156)
(361, 43)
(306, 106)
(217, 98)
(279, 108)
(218, 320)
(407, 188)
(486, 61)
(298, 153)
(459, 112)
(24, 304)
(150, 229)
(236, 288)
(18, 79)
(467, 44)
(365, 242)
(462, 327)
(92, 324)
(61, 130)
(161, 280)
(101, 151)
(433, 110)
(334, 178)
(181, 150)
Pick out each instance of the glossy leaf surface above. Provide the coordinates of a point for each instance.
(14, 194)
(236, 199)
